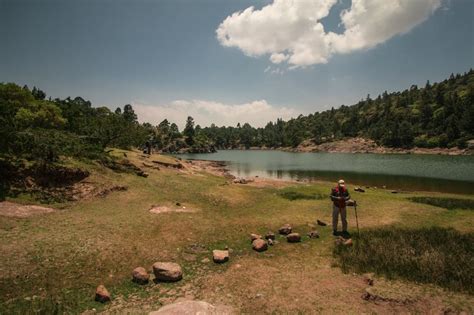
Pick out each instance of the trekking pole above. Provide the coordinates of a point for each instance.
(357, 219)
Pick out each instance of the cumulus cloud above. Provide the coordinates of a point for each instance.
(291, 30)
(256, 113)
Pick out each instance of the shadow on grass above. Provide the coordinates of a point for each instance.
(434, 255)
(447, 203)
(298, 195)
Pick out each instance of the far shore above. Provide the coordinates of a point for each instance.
(361, 145)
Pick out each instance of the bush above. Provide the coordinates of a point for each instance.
(429, 255)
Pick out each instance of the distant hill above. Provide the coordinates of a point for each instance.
(436, 115)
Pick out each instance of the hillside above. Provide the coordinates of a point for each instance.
(436, 115)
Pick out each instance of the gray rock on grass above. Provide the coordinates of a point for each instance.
(167, 271)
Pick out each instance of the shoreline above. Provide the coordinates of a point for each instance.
(359, 145)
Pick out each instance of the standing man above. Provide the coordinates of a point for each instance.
(339, 196)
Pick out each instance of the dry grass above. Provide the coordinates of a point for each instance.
(64, 255)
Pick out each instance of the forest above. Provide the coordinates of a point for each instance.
(34, 127)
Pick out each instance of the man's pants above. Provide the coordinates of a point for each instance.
(335, 218)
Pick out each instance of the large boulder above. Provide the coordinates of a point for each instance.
(102, 295)
(167, 271)
(285, 229)
(140, 275)
(220, 256)
(192, 308)
(293, 238)
(259, 245)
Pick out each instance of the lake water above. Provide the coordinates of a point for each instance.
(396, 171)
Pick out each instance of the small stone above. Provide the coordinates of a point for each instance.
(102, 295)
(350, 203)
(259, 245)
(369, 279)
(220, 256)
(321, 223)
(394, 192)
(270, 236)
(348, 242)
(285, 229)
(313, 234)
(359, 189)
(293, 238)
(270, 242)
(205, 260)
(140, 275)
(254, 236)
(167, 271)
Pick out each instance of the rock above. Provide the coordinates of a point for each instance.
(347, 242)
(220, 256)
(321, 223)
(254, 236)
(359, 189)
(142, 173)
(167, 271)
(205, 260)
(350, 203)
(313, 234)
(285, 229)
(270, 242)
(270, 236)
(140, 275)
(293, 238)
(259, 245)
(369, 279)
(394, 192)
(102, 295)
(242, 181)
(192, 308)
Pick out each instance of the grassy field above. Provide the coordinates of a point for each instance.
(55, 261)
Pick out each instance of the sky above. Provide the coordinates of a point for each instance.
(226, 62)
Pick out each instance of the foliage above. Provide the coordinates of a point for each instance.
(429, 255)
(438, 115)
(447, 203)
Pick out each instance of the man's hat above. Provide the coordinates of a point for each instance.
(341, 182)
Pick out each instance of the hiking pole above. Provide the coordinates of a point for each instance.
(357, 219)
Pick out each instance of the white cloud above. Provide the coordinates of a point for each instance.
(291, 31)
(256, 113)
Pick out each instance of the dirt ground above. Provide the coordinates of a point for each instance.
(16, 210)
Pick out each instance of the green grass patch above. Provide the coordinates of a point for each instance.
(447, 203)
(440, 256)
(302, 193)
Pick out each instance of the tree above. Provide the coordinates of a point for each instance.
(189, 130)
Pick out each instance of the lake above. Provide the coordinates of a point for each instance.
(441, 173)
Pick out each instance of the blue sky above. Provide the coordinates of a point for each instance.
(164, 56)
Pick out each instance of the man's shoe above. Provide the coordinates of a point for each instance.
(335, 233)
(346, 234)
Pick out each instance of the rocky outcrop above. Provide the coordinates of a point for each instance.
(167, 271)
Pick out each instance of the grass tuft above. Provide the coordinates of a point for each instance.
(447, 203)
(440, 256)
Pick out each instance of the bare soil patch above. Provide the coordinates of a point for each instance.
(166, 209)
(15, 210)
